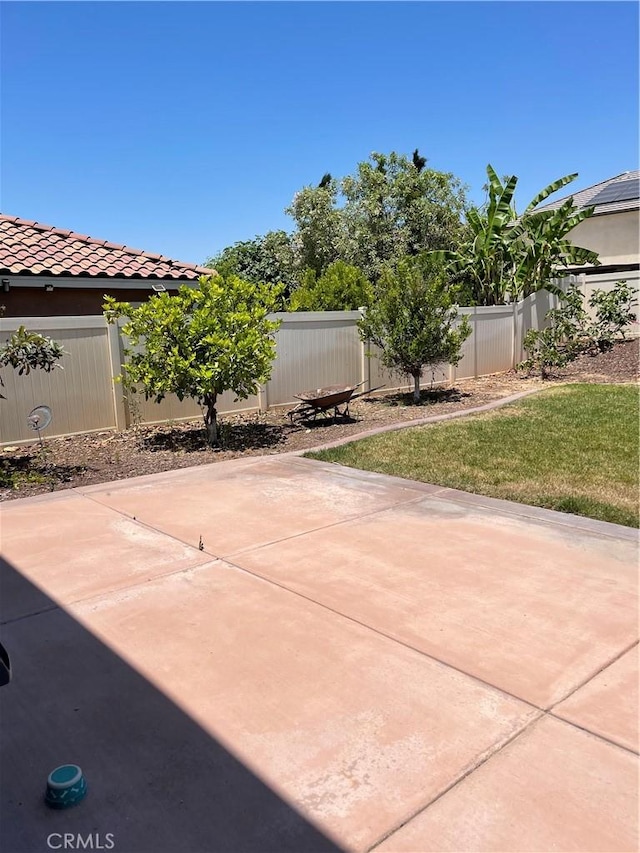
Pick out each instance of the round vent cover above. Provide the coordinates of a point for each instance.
(39, 418)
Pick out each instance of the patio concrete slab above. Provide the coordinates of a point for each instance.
(553, 788)
(608, 704)
(355, 730)
(234, 507)
(366, 650)
(529, 607)
(157, 782)
(73, 548)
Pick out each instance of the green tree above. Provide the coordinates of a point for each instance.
(26, 351)
(507, 255)
(266, 259)
(391, 207)
(412, 318)
(396, 207)
(319, 236)
(340, 288)
(200, 342)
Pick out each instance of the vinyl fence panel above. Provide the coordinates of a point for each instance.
(531, 314)
(314, 349)
(80, 395)
(489, 348)
(172, 409)
(379, 375)
(607, 281)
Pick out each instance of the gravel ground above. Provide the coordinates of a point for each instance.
(100, 457)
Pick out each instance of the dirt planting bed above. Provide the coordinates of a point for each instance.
(99, 457)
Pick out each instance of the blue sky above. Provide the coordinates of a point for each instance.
(183, 127)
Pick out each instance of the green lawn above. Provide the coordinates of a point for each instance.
(573, 448)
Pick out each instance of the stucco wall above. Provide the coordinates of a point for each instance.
(615, 236)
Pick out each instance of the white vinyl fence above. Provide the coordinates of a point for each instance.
(314, 349)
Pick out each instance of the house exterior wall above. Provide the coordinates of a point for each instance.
(66, 301)
(615, 236)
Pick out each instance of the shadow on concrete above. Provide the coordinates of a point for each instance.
(156, 780)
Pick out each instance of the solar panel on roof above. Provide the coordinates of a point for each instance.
(618, 191)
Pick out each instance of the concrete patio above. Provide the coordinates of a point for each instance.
(349, 662)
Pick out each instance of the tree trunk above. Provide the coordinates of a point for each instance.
(416, 387)
(211, 420)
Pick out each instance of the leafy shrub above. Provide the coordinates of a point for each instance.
(571, 331)
(341, 287)
(546, 348)
(613, 314)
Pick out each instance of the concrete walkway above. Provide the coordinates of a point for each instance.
(278, 654)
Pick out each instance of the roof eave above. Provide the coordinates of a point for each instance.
(92, 282)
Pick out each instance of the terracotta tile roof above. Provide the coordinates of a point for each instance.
(28, 247)
(582, 198)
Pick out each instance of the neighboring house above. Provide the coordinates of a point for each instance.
(47, 271)
(613, 230)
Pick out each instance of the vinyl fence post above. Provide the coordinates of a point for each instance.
(120, 409)
(582, 279)
(263, 397)
(475, 341)
(365, 361)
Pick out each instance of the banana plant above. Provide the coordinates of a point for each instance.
(485, 259)
(544, 250)
(511, 255)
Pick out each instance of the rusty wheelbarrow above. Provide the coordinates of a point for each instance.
(331, 401)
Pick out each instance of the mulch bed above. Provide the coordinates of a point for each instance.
(619, 364)
(100, 457)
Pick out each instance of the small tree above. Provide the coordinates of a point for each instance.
(547, 348)
(200, 342)
(342, 287)
(412, 318)
(26, 351)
